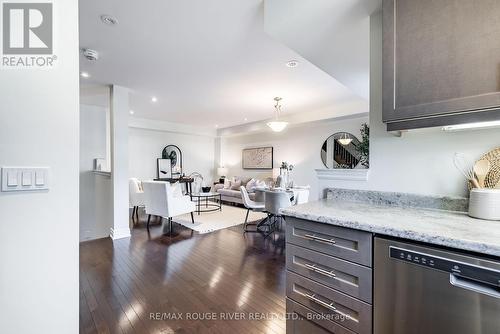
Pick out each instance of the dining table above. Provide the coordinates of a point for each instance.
(261, 191)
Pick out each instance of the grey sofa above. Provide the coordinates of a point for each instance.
(232, 196)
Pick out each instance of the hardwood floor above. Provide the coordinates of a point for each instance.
(165, 284)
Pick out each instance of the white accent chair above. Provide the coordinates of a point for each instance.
(250, 205)
(163, 200)
(136, 196)
(275, 201)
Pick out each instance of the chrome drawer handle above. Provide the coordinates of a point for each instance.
(320, 302)
(319, 270)
(313, 237)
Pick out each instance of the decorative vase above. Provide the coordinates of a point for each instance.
(284, 178)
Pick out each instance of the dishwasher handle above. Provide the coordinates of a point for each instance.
(475, 286)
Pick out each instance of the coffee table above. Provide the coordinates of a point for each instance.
(208, 206)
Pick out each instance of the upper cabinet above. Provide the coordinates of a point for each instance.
(441, 62)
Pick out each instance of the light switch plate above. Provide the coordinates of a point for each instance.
(12, 179)
(25, 178)
(39, 178)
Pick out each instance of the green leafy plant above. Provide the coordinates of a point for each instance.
(286, 165)
(364, 147)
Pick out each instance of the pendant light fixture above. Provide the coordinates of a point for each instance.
(276, 125)
(345, 139)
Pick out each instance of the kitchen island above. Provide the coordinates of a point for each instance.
(355, 255)
(453, 229)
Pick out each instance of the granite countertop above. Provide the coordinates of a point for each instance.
(440, 227)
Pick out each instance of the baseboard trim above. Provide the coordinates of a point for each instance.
(120, 233)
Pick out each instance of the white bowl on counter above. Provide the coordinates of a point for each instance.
(484, 203)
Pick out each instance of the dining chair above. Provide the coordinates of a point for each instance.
(253, 206)
(275, 201)
(162, 199)
(260, 196)
(136, 196)
(197, 183)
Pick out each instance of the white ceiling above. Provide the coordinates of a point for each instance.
(332, 34)
(207, 62)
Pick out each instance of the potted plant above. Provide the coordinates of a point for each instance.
(364, 147)
(285, 170)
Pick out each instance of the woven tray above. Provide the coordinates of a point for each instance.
(493, 175)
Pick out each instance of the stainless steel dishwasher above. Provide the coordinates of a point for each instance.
(419, 289)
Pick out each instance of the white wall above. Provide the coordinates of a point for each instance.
(421, 161)
(39, 230)
(145, 146)
(95, 190)
(299, 145)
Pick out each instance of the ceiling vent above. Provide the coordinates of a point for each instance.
(90, 54)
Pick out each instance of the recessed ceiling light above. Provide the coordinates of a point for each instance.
(154, 99)
(246, 119)
(131, 112)
(85, 75)
(109, 20)
(216, 125)
(292, 63)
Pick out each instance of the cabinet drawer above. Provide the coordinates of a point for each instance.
(338, 307)
(350, 278)
(302, 320)
(341, 242)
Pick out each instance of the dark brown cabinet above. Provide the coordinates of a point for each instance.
(441, 62)
(328, 279)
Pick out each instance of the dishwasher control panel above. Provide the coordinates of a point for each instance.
(465, 270)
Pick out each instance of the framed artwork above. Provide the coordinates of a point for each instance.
(163, 168)
(258, 158)
(173, 153)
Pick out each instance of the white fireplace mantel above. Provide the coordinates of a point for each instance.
(343, 174)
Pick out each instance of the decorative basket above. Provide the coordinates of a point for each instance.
(493, 176)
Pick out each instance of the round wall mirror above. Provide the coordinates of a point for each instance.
(340, 151)
(173, 153)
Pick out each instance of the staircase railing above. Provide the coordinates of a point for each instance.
(343, 156)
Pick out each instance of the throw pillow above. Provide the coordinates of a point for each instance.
(245, 180)
(227, 183)
(260, 184)
(250, 185)
(235, 185)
